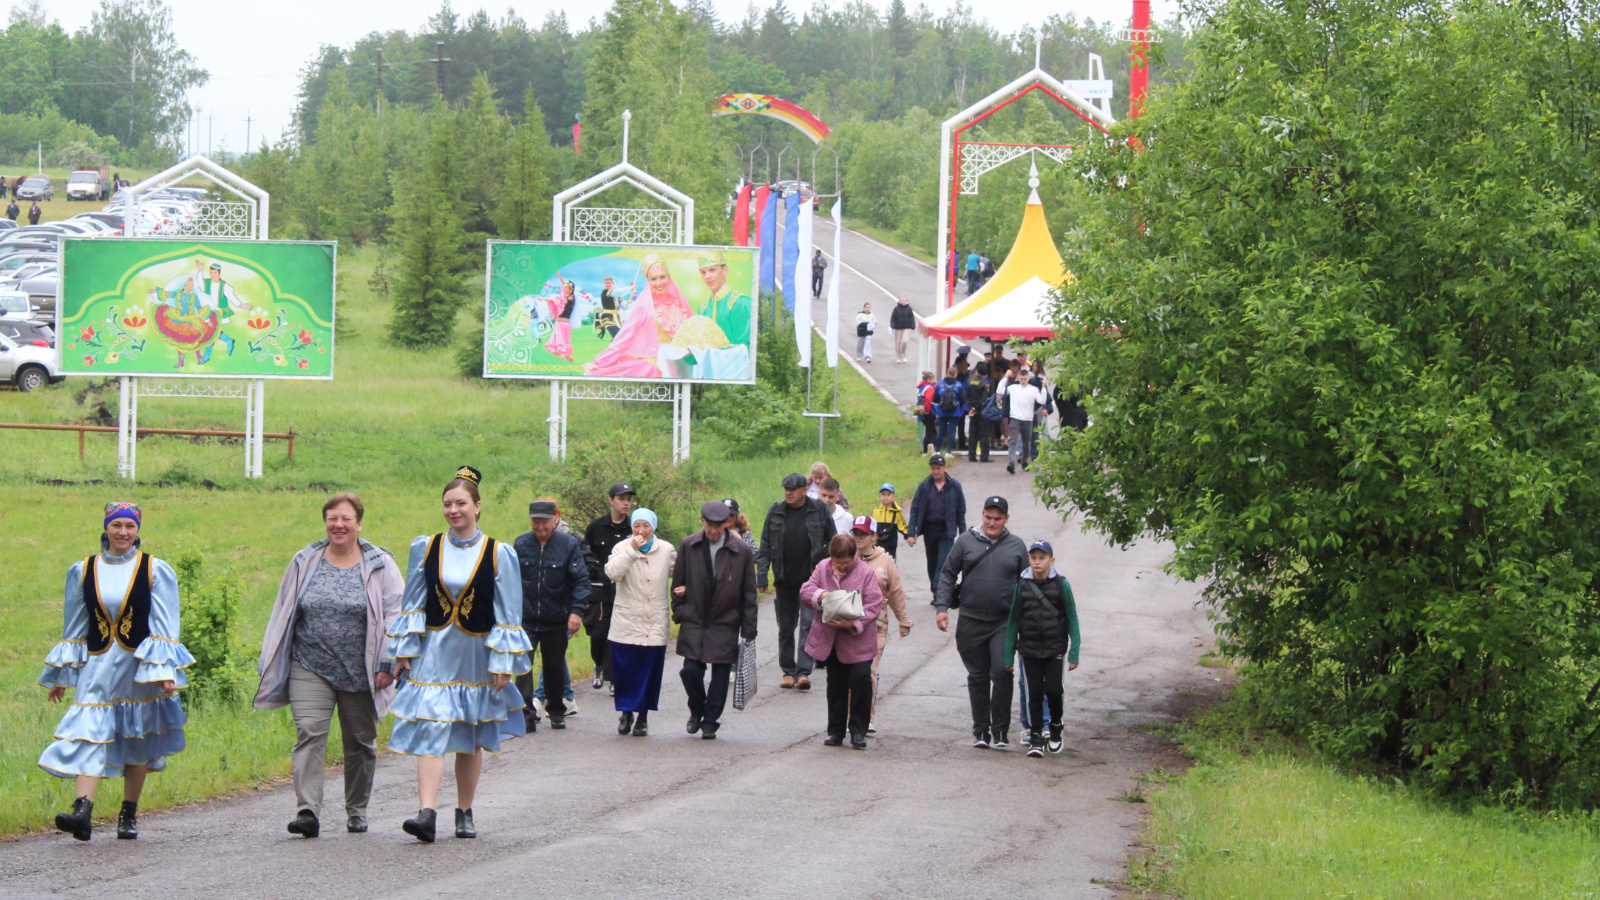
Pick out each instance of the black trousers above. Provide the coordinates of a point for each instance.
(978, 437)
(936, 544)
(816, 282)
(552, 649)
(599, 632)
(706, 705)
(849, 695)
(794, 618)
(982, 646)
(1043, 675)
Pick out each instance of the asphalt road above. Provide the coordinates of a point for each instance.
(764, 811)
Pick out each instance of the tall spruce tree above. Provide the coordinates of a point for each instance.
(524, 213)
(431, 284)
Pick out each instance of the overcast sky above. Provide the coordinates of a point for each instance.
(255, 51)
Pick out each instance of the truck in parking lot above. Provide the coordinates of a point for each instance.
(88, 183)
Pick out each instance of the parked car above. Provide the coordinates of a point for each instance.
(36, 187)
(27, 333)
(28, 366)
(88, 184)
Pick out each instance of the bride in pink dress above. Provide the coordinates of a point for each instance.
(660, 330)
(560, 343)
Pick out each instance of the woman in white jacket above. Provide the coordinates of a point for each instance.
(641, 621)
(866, 325)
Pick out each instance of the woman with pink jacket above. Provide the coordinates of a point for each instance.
(322, 651)
(845, 646)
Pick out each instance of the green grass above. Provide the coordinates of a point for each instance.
(392, 425)
(885, 236)
(1264, 818)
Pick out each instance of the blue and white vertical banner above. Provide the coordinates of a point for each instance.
(831, 332)
(802, 307)
(791, 250)
(769, 247)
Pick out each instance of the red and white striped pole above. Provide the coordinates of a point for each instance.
(1139, 73)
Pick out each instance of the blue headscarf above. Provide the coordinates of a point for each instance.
(644, 515)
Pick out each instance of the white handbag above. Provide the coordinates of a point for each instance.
(844, 605)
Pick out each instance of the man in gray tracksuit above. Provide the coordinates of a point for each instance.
(987, 561)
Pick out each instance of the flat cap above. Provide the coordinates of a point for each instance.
(542, 509)
(715, 511)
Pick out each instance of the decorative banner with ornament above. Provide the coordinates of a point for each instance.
(217, 309)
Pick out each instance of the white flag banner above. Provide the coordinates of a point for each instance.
(802, 303)
(832, 331)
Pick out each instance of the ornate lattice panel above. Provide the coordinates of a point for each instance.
(608, 225)
(222, 218)
(617, 390)
(220, 388)
(979, 158)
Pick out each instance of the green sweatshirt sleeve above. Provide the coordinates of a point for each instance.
(1070, 609)
(1013, 624)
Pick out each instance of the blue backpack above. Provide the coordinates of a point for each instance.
(991, 409)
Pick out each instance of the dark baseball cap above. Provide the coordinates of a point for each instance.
(936, 460)
(863, 525)
(733, 505)
(620, 488)
(715, 511)
(1043, 547)
(997, 503)
(542, 509)
(793, 480)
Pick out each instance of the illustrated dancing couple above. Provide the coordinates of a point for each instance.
(664, 338)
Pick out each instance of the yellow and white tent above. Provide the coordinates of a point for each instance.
(1015, 302)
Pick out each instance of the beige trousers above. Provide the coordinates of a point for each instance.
(312, 700)
(902, 336)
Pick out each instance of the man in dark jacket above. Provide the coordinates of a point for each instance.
(793, 540)
(714, 604)
(555, 595)
(34, 212)
(982, 571)
(602, 536)
(978, 426)
(938, 515)
(902, 321)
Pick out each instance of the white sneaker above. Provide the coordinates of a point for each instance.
(872, 728)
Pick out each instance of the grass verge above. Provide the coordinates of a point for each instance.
(392, 425)
(892, 239)
(1260, 816)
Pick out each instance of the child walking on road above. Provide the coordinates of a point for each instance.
(1044, 629)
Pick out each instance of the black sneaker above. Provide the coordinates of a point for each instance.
(1011, 468)
(305, 824)
(1035, 743)
(1055, 737)
(980, 738)
(558, 722)
(999, 742)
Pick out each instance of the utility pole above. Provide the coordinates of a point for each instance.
(211, 146)
(439, 59)
(247, 121)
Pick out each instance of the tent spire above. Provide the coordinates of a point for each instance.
(1033, 184)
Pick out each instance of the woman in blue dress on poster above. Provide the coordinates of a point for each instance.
(459, 640)
(119, 652)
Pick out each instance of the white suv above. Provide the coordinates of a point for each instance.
(28, 366)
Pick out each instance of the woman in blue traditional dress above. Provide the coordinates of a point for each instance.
(119, 651)
(459, 641)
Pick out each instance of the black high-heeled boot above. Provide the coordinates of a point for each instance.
(422, 826)
(464, 826)
(641, 724)
(80, 822)
(128, 821)
(625, 723)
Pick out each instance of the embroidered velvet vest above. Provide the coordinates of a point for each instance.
(472, 610)
(132, 624)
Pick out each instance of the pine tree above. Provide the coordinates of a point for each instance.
(430, 286)
(481, 134)
(524, 212)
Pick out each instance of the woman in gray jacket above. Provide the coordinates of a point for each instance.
(322, 650)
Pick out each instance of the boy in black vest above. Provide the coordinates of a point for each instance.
(1044, 629)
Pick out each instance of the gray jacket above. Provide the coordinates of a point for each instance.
(986, 591)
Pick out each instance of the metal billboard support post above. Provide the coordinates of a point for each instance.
(243, 218)
(673, 224)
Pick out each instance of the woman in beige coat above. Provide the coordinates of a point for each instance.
(641, 621)
(322, 651)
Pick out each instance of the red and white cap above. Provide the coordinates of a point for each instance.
(863, 525)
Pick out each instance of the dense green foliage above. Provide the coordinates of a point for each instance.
(1355, 373)
(430, 287)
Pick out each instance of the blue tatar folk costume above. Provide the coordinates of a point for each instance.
(118, 643)
(461, 622)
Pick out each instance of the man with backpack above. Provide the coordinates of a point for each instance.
(979, 401)
(979, 577)
(949, 407)
(925, 416)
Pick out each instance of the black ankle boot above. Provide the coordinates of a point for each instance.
(641, 724)
(421, 827)
(464, 826)
(80, 822)
(625, 723)
(128, 821)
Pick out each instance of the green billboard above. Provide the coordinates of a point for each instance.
(215, 308)
(610, 312)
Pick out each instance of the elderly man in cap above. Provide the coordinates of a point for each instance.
(732, 311)
(602, 536)
(979, 577)
(938, 515)
(793, 540)
(555, 595)
(714, 604)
